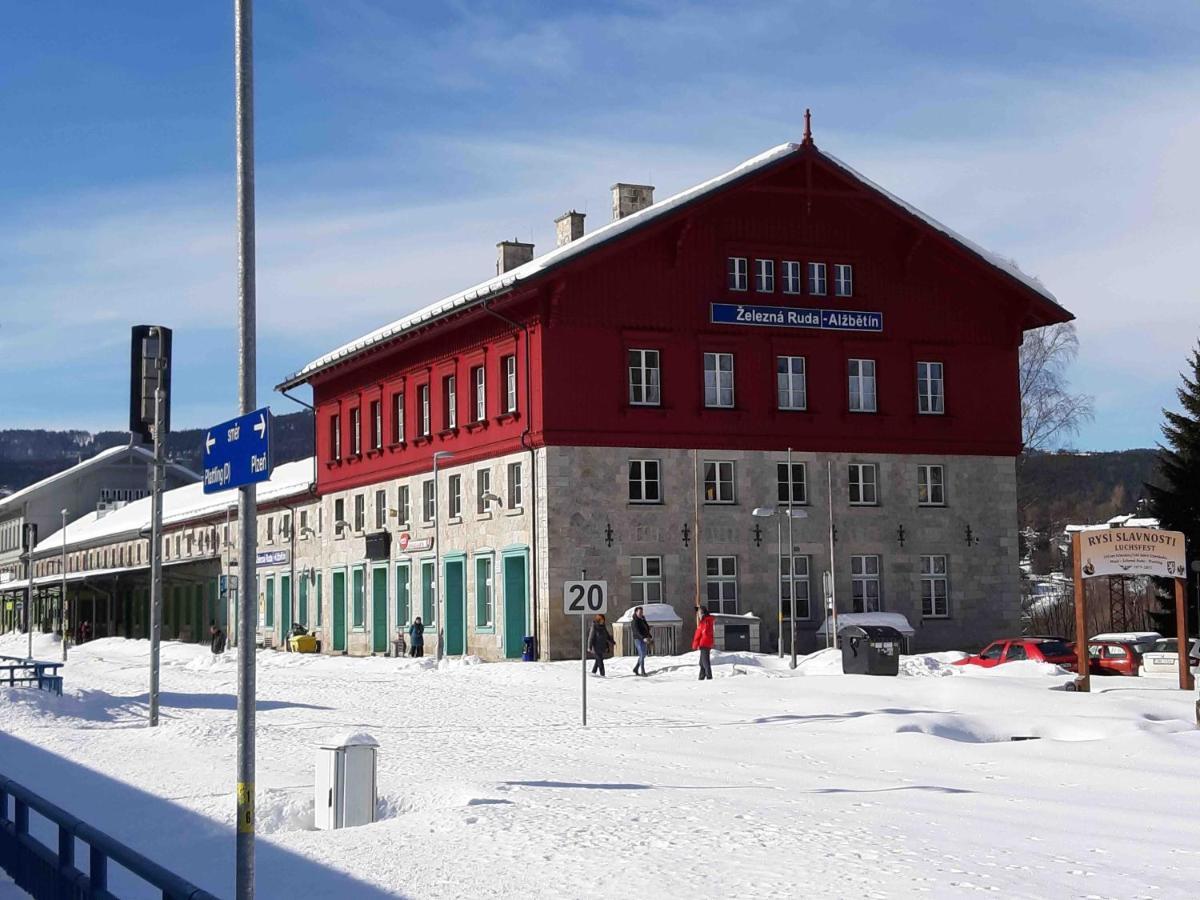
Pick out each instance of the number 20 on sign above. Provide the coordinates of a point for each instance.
(585, 598)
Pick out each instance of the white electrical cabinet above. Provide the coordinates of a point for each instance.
(345, 789)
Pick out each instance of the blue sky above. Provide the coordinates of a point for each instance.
(397, 142)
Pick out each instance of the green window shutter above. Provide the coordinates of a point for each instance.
(359, 598)
(269, 615)
(320, 578)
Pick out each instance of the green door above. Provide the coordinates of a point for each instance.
(454, 606)
(403, 601)
(303, 617)
(269, 612)
(358, 597)
(285, 606)
(427, 593)
(379, 605)
(516, 594)
(339, 612)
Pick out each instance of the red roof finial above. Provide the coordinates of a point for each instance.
(808, 141)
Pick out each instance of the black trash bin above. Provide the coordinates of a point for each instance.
(870, 650)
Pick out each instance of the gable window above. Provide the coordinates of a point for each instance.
(793, 579)
(739, 273)
(931, 489)
(335, 436)
(718, 380)
(479, 386)
(930, 397)
(356, 431)
(509, 365)
(644, 378)
(794, 489)
(339, 517)
(428, 507)
(764, 276)
(721, 584)
(376, 424)
(515, 486)
(450, 399)
(816, 278)
(934, 588)
(862, 385)
(793, 393)
(360, 512)
(718, 482)
(483, 487)
(644, 486)
(864, 584)
(423, 409)
(398, 417)
(402, 504)
(454, 486)
(645, 577)
(791, 276)
(843, 280)
(863, 484)
(381, 509)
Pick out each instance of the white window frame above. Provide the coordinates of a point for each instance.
(738, 273)
(480, 383)
(931, 481)
(865, 582)
(863, 396)
(718, 382)
(360, 513)
(425, 413)
(428, 502)
(645, 377)
(451, 392)
(721, 572)
(489, 586)
(931, 388)
(867, 488)
(818, 284)
(356, 431)
(403, 502)
(791, 386)
(646, 580)
(381, 508)
(723, 482)
(398, 417)
(793, 276)
(454, 497)
(800, 581)
(335, 435)
(483, 485)
(935, 587)
(764, 276)
(788, 486)
(641, 481)
(843, 280)
(510, 383)
(377, 424)
(339, 517)
(516, 486)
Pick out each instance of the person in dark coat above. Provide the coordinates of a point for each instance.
(641, 639)
(216, 637)
(416, 638)
(703, 641)
(600, 641)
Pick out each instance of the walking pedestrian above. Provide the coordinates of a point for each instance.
(600, 641)
(416, 638)
(641, 639)
(216, 637)
(703, 641)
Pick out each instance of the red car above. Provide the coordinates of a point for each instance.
(1039, 649)
(1113, 657)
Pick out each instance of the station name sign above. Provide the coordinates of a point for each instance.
(1132, 551)
(792, 317)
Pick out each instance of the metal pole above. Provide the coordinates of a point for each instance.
(779, 564)
(30, 537)
(831, 640)
(583, 652)
(791, 562)
(63, 604)
(156, 586)
(247, 495)
(437, 565)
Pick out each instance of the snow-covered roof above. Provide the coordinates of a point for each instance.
(180, 505)
(109, 455)
(504, 282)
(1129, 521)
(654, 612)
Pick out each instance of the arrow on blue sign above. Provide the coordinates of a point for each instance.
(238, 452)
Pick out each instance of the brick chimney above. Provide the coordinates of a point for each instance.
(510, 254)
(568, 227)
(630, 198)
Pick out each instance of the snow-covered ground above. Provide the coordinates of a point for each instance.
(761, 783)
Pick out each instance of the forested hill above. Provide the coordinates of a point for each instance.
(29, 455)
(1060, 488)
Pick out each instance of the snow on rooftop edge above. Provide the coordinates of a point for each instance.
(613, 229)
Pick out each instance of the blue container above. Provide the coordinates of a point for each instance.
(529, 654)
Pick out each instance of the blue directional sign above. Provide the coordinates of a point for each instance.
(238, 452)
(791, 317)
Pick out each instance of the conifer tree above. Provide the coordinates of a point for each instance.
(1175, 499)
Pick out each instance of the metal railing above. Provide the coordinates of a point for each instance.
(47, 874)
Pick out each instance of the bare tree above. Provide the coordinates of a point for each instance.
(1049, 411)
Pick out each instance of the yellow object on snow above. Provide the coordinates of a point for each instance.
(303, 643)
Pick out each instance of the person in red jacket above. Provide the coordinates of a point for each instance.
(703, 641)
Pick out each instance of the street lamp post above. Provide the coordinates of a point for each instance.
(62, 604)
(438, 602)
(767, 512)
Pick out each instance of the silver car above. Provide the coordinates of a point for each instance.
(1163, 657)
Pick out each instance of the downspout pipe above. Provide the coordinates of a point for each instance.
(533, 477)
(312, 485)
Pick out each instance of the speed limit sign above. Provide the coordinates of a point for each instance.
(585, 598)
